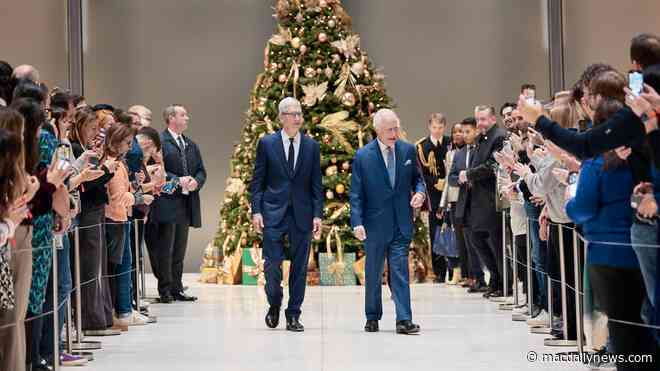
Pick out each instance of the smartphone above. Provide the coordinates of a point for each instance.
(572, 190)
(636, 83)
(170, 187)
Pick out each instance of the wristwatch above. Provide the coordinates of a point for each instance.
(648, 115)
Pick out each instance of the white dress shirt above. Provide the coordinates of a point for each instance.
(296, 146)
(176, 138)
(383, 150)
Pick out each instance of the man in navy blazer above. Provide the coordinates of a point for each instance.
(287, 200)
(385, 187)
(171, 215)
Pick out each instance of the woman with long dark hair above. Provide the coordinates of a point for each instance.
(96, 305)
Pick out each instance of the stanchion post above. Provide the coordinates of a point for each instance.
(69, 339)
(530, 277)
(79, 346)
(578, 297)
(564, 304)
(514, 264)
(504, 270)
(56, 320)
(136, 238)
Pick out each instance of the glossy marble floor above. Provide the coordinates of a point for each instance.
(225, 330)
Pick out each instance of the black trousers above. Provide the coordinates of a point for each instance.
(96, 306)
(521, 256)
(620, 293)
(439, 261)
(166, 244)
(488, 245)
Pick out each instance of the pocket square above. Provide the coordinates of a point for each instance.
(407, 163)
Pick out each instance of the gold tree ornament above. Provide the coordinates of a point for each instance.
(332, 23)
(345, 78)
(348, 46)
(282, 78)
(338, 125)
(331, 170)
(295, 42)
(329, 195)
(314, 93)
(283, 37)
(358, 68)
(323, 37)
(303, 49)
(310, 73)
(328, 72)
(340, 189)
(348, 99)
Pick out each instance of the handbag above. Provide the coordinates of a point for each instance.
(444, 243)
(7, 298)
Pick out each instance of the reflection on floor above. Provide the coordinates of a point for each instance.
(225, 330)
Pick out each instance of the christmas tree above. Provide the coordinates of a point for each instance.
(316, 58)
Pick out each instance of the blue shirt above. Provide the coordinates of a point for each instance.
(602, 207)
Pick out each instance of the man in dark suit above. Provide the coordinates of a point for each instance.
(431, 152)
(172, 214)
(462, 160)
(287, 200)
(386, 185)
(480, 210)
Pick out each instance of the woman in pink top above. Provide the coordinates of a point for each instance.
(118, 141)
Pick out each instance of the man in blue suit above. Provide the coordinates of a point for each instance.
(287, 201)
(385, 187)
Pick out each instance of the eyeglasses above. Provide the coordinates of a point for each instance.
(292, 114)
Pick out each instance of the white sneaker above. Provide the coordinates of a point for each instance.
(542, 319)
(137, 319)
(521, 310)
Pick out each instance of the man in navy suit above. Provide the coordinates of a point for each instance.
(287, 201)
(385, 187)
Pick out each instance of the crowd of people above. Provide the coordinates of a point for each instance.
(585, 161)
(94, 176)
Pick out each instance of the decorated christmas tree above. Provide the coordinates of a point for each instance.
(315, 57)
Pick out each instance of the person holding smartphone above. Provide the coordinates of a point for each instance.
(601, 204)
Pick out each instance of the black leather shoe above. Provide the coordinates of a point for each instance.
(273, 317)
(406, 327)
(478, 288)
(166, 299)
(371, 326)
(294, 325)
(493, 294)
(183, 297)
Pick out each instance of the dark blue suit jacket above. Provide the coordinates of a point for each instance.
(179, 208)
(274, 187)
(375, 204)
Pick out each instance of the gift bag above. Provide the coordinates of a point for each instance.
(253, 266)
(230, 274)
(358, 268)
(336, 270)
(286, 271)
(444, 243)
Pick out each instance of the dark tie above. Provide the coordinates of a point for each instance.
(292, 155)
(183, 155)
